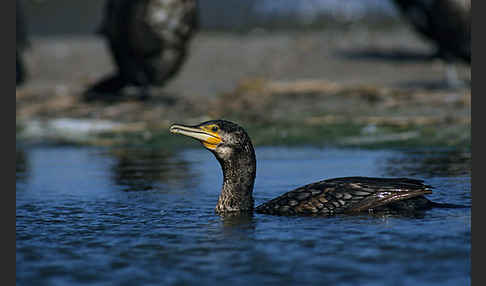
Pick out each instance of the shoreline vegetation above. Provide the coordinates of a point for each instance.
(275, 113)
(313, 88)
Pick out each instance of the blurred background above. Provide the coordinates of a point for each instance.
(382, 50)
(241, 49)
(232, 15)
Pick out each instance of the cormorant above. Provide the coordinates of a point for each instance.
(445, 22)
(232, 147)
(148, 40)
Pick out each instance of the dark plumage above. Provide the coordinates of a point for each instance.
(148, 40)
(21, 42)
(447, 23)
(233, 149)
(351, 195)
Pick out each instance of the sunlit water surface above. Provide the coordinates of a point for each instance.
(146, 217)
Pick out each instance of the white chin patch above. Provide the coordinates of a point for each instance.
(224, 152)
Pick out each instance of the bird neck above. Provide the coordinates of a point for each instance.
(239, 171)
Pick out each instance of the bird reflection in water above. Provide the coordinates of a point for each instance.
(146, 169)
(429, 163)
(21, 166)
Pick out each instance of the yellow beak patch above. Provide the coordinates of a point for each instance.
(205, 134)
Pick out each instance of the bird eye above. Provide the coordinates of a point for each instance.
(214, 129)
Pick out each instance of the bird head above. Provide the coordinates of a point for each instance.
(221, 137)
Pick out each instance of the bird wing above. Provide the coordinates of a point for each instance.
(344, 195)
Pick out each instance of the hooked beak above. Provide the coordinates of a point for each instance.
(208, 138)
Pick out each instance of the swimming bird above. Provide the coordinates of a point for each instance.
(232, 147)
(148, 40)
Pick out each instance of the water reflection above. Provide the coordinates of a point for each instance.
(429, 163)
(237, 219)
(21, 166)
(239, 226)
(72, 228)
(141, 169)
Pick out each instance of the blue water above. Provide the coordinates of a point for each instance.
(95, 216)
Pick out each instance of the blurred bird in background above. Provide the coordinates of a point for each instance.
(148, 40)
(21, 43)
(447, 23)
